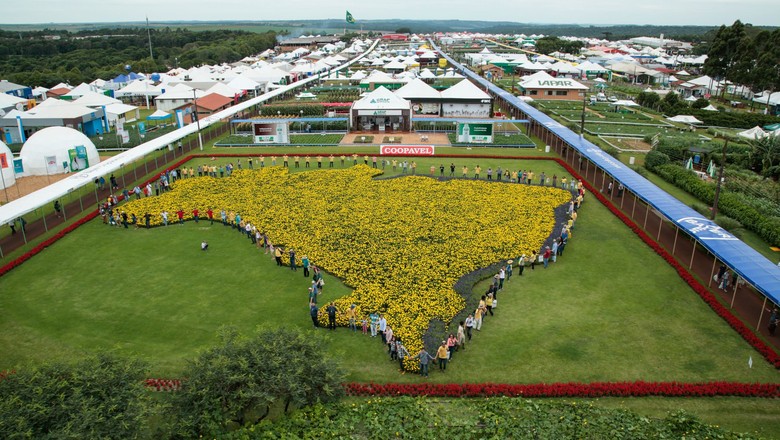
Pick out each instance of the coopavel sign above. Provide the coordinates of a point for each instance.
(406, 150)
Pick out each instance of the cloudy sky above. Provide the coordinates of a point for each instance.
(670, 12)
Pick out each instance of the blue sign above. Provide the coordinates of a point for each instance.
(18, 167)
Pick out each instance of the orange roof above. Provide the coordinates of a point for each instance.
(214, 101)
(59, 92)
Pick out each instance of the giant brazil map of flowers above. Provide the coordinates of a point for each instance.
(401, 244)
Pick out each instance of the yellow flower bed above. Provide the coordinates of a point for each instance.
(400, 243)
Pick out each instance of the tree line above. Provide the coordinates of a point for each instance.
(47, 57)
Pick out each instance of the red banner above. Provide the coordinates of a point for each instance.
(406, 150)
(3, 161)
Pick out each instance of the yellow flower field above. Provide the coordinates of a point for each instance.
(400, 243)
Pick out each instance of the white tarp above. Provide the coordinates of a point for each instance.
(47, 195)
(685, 119)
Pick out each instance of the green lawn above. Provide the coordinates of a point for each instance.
(120, 295)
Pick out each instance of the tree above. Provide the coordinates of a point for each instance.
(403, 30)
(237, 382)
(766, 72)
(767, 149)
(724, 52)
(102, 396)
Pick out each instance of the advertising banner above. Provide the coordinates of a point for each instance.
(475, 133)
(78, 158)
(406, 150)
(18, 166)
(3, 160)
(271, 133)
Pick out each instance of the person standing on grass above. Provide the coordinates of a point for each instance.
(546, 256)
(147, 220)
(352, 317)
(469, 325)
(278, 255)
(534, 258)
(452, 169)
(292, 260)
(331, 316)
(478, 319)
(424, 359)
(305, 264)
(389, 340)
(164, 215)
(452, 343)
(509, 270)
(501, 278)
(330, 160)
(180, 215)
(554, 251)
(441, 355)
(373, 318)
(477, 170)
(382, 328)
(460, 337)
(401, 352)
(314, 312)
(210, 215)
(195, 213)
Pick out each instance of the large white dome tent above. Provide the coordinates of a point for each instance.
(56, 150)
(6, 166)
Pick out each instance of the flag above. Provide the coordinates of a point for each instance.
(711, 170)
(350, 18)
(689, 164)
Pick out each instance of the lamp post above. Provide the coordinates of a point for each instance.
(197, 119)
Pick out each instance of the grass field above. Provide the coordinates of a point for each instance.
(608, 310)
(120, 295)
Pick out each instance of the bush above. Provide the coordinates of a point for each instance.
(99, 397)
(727, 223)
(237, 382)
(655, 159)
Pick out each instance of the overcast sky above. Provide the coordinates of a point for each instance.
(670, 12)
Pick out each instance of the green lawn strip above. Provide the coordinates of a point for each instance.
(737, 414)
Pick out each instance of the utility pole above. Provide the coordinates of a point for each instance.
(197, 118)
(582, 119)
(149, 34)
(720, 181)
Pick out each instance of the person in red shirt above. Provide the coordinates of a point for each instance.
(195, 214)
(180, 214)
(546, 256)
(210, 213)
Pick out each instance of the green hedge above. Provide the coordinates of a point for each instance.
(730, 204)
(733, 119)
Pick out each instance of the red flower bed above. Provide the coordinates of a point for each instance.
(595, 389)
(48, 242)
(163, 384)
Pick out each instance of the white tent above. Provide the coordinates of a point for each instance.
(116, 111)
(139, 87)
(753, 133)
(224, 90)
(47, 150)
(8, 102)
(6, 166)
(624, 103)
(710, 108)
(243, 83)
(81, 90)
(381, 99)
(464, 90)
(417, 89)
(92, 99)
(685, 119)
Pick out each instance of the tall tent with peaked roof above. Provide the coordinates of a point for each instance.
(381, 110)
(466, 100)
(425, 99)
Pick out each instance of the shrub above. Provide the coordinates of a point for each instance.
(655, 159)
(727, 223)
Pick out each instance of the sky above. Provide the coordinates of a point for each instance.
(657, 12)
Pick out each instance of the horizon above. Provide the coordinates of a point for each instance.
(564, 12)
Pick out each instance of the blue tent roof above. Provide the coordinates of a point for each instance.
(744, 260)
(132, 76)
